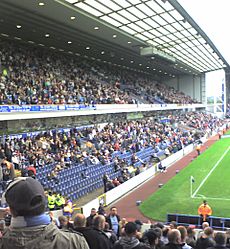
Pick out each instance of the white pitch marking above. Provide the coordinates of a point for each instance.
(210, 172)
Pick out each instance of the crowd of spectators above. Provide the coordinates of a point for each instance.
(31, 75)
(29, 226)
(96, 146)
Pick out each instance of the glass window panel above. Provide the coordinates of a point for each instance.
(195, 42)
(159, 41)
(155, 32)
(186, 25)
(143, 25)
(119, 18)
(156, 7)
(140, 36)
(152, 42)
(98, 6)
(193, 32)
(146, 9)
(123, 3)
(165, 38)
(111, 21)
(151, 23)
(159, 20)
(135, 27)
(71, 1)
(183, 45)
(167, 6)
(177, 26)
(150, 36)
(170, 28)
(137, 12)
(179, 35)
(162, 30)
(128, 30)
(176, 15)
(185, 33)
(167, 17)
(134, 1)
(128, 15)
(88, 8)
(112, 5)
(172, 37)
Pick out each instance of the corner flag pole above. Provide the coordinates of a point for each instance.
(192, 180)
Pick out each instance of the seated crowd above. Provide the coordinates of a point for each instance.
(32, 75)
(99, 145)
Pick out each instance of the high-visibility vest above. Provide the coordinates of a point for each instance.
(204, 210)
(51, 201)
(60, 200)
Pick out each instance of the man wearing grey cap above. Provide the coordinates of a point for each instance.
(30, 227)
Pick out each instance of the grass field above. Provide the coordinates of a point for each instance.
(211, 172)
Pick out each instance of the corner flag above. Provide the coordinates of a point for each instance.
(192, 179)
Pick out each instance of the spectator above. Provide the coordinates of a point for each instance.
(30, 226)
(94, 237)
(183, 233)
(174, 238)
(89, 219)
(113, 220)
(129, 241)
(206, 240)
(220, 239)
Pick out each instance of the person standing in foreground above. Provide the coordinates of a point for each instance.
(204, 211)
(30, 226)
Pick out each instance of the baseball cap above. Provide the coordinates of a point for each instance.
(24, 194)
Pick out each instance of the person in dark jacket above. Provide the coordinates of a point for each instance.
(89, 220)
(129, 241)
(206, 240)
(174, 238)
(221, 240)
(94, 236)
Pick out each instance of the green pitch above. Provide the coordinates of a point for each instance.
(211, 172)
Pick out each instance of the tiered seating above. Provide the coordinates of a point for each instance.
(72, 184)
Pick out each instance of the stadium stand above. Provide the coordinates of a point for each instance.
(37, 76)
(72, 162)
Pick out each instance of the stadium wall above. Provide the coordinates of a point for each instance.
(189, 84)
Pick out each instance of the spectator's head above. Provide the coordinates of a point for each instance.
(183, 233)
(152, 237)
(93, 212)
(208, 232)
(131, 229)
(79, 220)
(205, 224)
(113, 211)
(99, 222)
(25, 197)
(138, 224)
(63, 221)
(220, 239)
(173, 225)
(174, 236)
